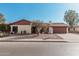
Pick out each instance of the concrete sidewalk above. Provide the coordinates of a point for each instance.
(33, 40)
(10, 39)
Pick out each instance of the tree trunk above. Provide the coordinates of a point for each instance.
(72, 29)
(38, 31)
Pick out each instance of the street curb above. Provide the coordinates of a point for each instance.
(29, 41)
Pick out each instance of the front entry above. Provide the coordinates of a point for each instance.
(15, 29)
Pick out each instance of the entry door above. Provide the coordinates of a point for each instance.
(15, 29)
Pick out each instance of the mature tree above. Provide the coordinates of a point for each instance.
(38, 25)
(45, 27)
(2, 19)
(72, 18)
(3, 26)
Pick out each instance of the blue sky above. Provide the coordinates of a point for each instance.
(31, 11)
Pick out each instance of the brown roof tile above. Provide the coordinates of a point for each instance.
(21, 22)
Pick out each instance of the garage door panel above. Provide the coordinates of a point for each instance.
(59, 30)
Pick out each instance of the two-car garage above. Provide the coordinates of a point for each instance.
(59, 28)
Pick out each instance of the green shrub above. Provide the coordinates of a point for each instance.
(4, 28)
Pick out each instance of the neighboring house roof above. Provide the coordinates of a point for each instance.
(76, 26)
(58, 24)
(21, 22)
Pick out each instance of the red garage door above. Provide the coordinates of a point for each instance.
(59, 30)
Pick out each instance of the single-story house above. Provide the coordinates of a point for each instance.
(25, 26)
(21, 26)
(58, 28)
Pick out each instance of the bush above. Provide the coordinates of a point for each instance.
(5, 28)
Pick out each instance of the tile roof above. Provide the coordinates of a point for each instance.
(58, 24)
(21, 22)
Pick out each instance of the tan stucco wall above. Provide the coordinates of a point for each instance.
(77, 29)
(26, 28)
(50, 30)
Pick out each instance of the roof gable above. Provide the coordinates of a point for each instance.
(21, 22)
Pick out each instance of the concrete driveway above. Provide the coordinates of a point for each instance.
(41, 37)
(70, 37)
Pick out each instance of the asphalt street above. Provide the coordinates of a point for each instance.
(39, 49)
